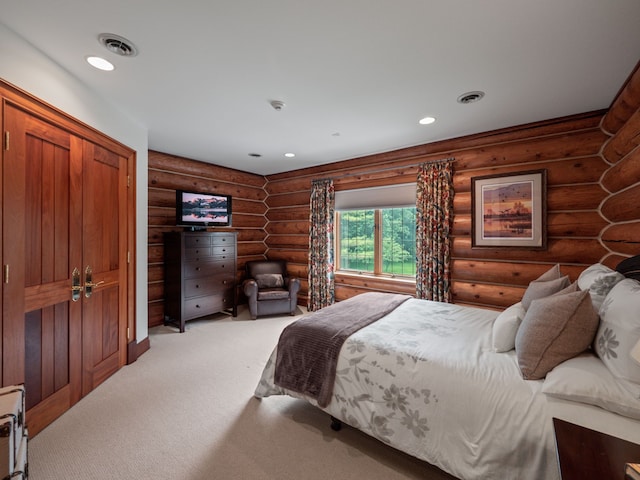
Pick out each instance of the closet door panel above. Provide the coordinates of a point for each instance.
(104, 253)
(42, 168)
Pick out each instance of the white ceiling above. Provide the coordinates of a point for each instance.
(355, 75)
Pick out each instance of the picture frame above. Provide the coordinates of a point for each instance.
(509, 210)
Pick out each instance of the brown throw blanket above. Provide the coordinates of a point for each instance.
(308, 349)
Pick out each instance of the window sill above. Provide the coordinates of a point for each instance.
(345, 276)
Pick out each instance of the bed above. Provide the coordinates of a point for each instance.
(442, 382)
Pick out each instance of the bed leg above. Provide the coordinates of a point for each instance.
(336, 424)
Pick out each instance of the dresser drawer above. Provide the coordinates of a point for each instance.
(192, 241)
(195, 287)
(200, 306)
(223, 240)
(201, 251)
(203, 267)
(223, 252)
(207, 285)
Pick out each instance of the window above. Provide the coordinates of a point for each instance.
(377, 241)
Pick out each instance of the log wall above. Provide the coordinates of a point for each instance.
(593, 200)
(168, 173)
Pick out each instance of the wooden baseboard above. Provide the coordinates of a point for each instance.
(135, 350)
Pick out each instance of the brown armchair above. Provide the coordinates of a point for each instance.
(269, 289)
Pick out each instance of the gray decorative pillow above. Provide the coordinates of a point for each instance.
(554, 329)
(620, 330)
(269, 280)
(546, 284)
(599, 280)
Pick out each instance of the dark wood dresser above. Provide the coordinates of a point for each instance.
(199, 275)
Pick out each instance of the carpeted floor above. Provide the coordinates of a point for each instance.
(185, 410)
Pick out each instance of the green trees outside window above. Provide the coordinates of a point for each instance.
(381, 241)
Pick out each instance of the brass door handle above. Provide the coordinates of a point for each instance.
(88, 282)
(76, 288)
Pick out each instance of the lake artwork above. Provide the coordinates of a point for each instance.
(507, 210)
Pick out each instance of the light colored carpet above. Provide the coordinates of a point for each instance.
(185, 410)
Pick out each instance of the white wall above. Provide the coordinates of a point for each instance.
(25, 67)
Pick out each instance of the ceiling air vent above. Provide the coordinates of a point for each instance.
(117, 44)
(470, 97)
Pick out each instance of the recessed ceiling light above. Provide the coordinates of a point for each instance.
(426, 120)
(470, 97)
(100, 63)
(289, 155)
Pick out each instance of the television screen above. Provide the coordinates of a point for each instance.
(202, 209)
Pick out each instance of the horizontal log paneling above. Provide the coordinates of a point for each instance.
(513, 273)
(624, 173)
(623, 237)
(289, 199)
(625, 139)
(582, 170)
(155, 316)
(188, 167)
(559, 250)
(625, 104)
(299, 256)
(168, 173)
(622, 206)
(485, 294)
(288, 228)
(287, 214)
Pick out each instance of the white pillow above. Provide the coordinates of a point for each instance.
(505, 328)
(599, 280)
(586, 379)
(619, 330)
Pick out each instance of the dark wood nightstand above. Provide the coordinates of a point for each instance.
(586, 454)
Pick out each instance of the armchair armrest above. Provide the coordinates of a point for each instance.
(294, 286)
(250, 288)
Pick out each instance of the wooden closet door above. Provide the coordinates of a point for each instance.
(65, 210)
(42, 231)
(104, 317)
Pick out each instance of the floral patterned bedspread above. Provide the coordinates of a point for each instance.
(424, 380)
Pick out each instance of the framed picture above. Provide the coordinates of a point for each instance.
(509, 210)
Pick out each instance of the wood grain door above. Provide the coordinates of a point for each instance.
(104, 242)
(64, 209)
(42, 231)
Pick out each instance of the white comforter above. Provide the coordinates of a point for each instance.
(424, 380)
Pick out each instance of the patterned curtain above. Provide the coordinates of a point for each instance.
(321, 283)
(434, 222)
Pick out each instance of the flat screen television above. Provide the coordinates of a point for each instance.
(200, 210)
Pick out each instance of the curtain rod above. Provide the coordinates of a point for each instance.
(442, 160)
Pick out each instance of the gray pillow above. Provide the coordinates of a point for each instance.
(269, 280)
(540, 289)
(554, 329)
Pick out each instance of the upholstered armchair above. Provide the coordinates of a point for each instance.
(269, 289)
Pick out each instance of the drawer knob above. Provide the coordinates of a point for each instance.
(197, 269)
(197, 306)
